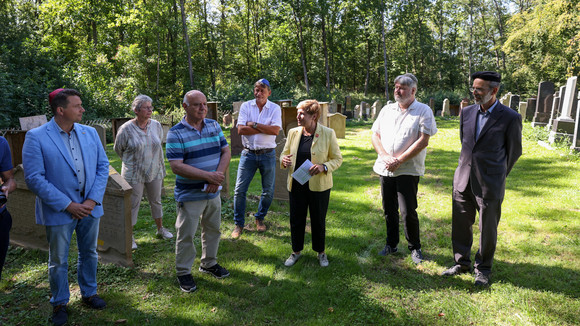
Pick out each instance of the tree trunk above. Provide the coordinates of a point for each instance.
(298, 22)
(368, 64)
(324, 47)
(385, 61)
(208, 45)
(186, 37)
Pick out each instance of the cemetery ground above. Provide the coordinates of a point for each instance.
(536, 274)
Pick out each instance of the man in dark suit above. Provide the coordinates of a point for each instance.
(491, 143)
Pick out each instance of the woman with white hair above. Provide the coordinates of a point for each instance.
(138, 144)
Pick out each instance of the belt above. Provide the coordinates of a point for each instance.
(260, 151)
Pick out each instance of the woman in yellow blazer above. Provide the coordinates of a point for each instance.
(317, 143)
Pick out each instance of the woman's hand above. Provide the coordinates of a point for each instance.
(286, 160)
(315, 169)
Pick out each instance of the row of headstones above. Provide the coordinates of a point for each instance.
(556, 110)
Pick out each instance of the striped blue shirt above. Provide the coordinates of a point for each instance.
(198, 149)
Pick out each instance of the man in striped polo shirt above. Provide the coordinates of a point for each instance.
(199, 155)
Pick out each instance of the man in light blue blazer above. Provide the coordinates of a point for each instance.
(65, 165)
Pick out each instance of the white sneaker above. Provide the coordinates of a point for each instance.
(133, 243)
(292, 259)
(323, 260)
(164, 233)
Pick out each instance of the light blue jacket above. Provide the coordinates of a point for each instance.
(49, 172)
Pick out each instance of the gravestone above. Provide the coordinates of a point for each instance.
(454, 109)
(116, 123)
(288, 116)
(563, 126)
(445, 112)
(542, 113)
(364, 110)
(432, 104)
(15, 141)
(332, 107)
(227, 120)
(237, 106)
(522, 109)
(102, 132)
(348, 103)
(236, 146)
(323, 113)
(281, 181)
(357, 114)
(166, 127)
(29, 123)
(531, 111)
(212, 110)
(514, 102)
(339, 108)
(115, 228)
(556, 103)
(376, 109)
(284, 103)
(576, 138)
(337, 122)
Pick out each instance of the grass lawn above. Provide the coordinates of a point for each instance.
(536, 274)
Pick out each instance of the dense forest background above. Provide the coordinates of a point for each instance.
(115, 49)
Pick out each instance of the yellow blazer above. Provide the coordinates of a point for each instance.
(324, 150)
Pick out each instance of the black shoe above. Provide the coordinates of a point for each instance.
(481, 279)
(216, 270)
(417, 256)
(186, 283)
(59, 315)
(95, 302)
(388, 250)
(456, 270)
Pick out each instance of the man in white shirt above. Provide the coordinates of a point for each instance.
(400, 137)
(258, 123)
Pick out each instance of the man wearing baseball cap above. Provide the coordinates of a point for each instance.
(491, 143)
(67, 169)
(258, 123)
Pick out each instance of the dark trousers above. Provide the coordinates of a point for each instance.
(400, 193)
(5, 226)
(465, 205)
(302, 201)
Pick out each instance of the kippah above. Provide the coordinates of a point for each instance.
(53, 94)
(264, 81)
(487, 75)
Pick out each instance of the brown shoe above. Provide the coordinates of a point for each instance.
(260, 226)
(237, 232)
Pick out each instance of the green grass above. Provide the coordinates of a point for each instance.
(536, 274)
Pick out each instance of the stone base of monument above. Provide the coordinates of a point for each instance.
(558, 137)
(562, 129)
(115, 229)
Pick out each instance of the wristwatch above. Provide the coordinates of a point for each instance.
(255, 125)
(325, 168)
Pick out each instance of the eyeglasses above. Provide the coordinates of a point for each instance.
(196, 105)
(147, 108)
(477, 89)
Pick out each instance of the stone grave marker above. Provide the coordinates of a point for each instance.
(115, 229)
(445, 112)
(236, 146)
(227, 120)
(347, 103)
(323, 112)
(357, 112)
(212, 110)
(284, 103)
(376, 109)
(556, 103)
(530, 112)
(102, 132)
(288, 116)
(116, 123)
(563, 126)
(576, 138)
(432, 104)
(522, 109)
(332, 107)
(237, 106)
(542, 112)
(514, 102)
(28, 123)
(337, 122)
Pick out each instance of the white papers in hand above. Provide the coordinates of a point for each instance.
(205, 187)
(301, 174)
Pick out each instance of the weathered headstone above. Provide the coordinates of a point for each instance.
(514, 102)
(166, 127)
(432, 104)
(576, 138)
(522, 109)
(212, 110)
(332, 107)
(227, 120)
(337, 122)
(323, 112)
(563, 126)
(284, 103)
(237, 106)
(357, 114)
(116, 123)
(531, 111)
(236, 146)
(445, 112)
(339, 108)
(348, 103)
(115, 228)
(556, 103)
(102, 132)
(364, 110)
(288, 116)
(542, 112)
(28, 123)
(376, 109)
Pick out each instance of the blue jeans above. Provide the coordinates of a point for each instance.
(59, 237)
(249, 163)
